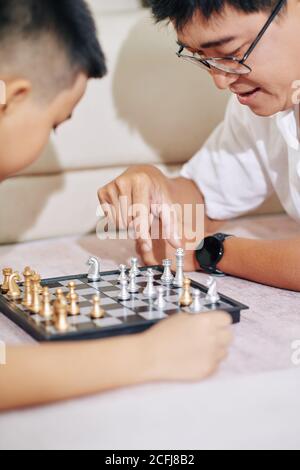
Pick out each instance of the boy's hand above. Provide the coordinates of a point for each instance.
(187, 347)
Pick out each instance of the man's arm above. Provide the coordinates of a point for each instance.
(185, 347)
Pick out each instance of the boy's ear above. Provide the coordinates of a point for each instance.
(16, 91)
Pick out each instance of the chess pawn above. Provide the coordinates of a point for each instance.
(160, 303)
(124, 295)
(150, 291)
(186, 299)
(60, 298)
(61, 316)
(73, 308)
(123, 275)
(36, 299)
(27, 301)
(7, 272)
(46, 311)
(72, 287)
(167, 277)
(134, 267)
(14, 292)
(97, 311)
(197, 305)
(133, 287)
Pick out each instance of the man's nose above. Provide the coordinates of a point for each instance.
(223, 80)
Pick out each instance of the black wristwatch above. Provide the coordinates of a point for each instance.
(210, 253)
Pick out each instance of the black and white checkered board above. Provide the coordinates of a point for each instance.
(121, 318)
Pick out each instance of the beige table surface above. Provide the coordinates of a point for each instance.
(259, 366)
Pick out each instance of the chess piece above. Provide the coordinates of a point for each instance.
(60, 298)
(97, 311)
(179, 278)
(160, 303)
(212, 297)
(150, 291)
(72, 287)
(167, 277)
(197, 305)
(124, 295)
(14, 292)
(73, 308)
(27, 300)
(7, 272)
(36, 299)
(133, 287)
(134, 267)
(186, 298)
(38, 277)
(94, 271)
(46, 310)
(61, 315)
(123, 275)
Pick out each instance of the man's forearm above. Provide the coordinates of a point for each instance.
(274, 263)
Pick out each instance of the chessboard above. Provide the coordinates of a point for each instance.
(121, 317)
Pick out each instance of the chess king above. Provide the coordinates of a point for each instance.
(251, 49)
(48, 52)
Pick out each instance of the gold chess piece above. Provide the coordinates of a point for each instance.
(186, 299)
(72, 287)
(61, 316)
(7, 272)
(36, 299)
(27, 301)
(97, 311)
(14, 292)
(46, 307)
(60, 298)
(73, 308)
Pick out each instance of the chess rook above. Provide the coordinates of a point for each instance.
(167, 277)
(179, 279)
(7, 272)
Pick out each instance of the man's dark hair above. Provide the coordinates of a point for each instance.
(182, 11)
(66, 25)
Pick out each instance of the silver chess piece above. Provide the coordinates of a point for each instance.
(150, 290)
(179, 278)
(134, 267)
(160, 303)
(167, 277)
(123, 273)
(197, 305)
(133, 287)
(124, 294)
(94, 271)
(212, 297)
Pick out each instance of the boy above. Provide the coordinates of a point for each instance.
(48, 51)
(253, 49)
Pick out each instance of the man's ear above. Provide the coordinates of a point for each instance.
(16, 92)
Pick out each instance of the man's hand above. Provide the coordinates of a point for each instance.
(163, 202)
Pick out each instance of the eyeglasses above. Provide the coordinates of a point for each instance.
(231, 65)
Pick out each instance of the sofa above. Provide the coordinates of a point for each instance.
(150, 109)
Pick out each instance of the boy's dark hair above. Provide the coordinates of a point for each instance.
(182, 11)
(66, 24)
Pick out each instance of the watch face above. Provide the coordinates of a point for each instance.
(211, 252)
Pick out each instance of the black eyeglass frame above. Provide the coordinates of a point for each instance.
(246, 56)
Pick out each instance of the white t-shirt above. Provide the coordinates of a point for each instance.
(245, 160)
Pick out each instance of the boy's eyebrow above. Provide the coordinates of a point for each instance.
(211, 44)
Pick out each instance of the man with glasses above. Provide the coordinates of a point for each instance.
(253, 49)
